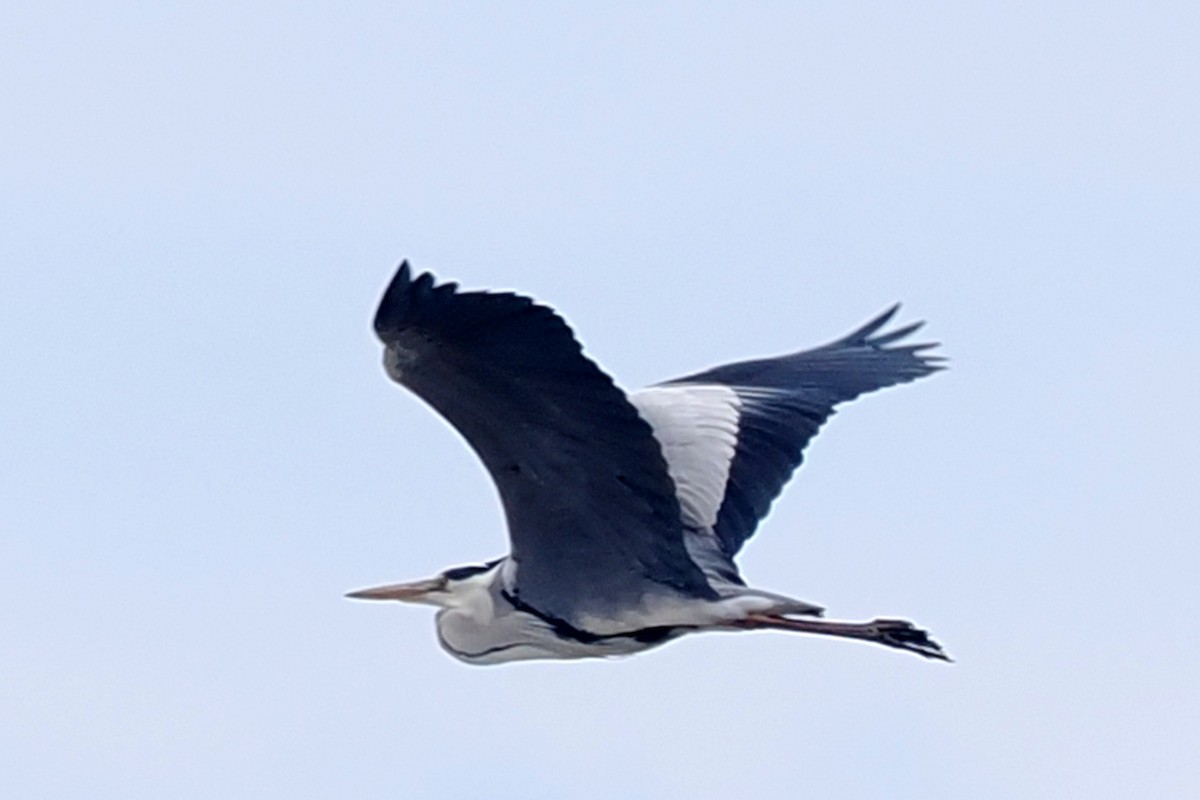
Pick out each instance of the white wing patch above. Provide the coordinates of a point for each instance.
(696, 426)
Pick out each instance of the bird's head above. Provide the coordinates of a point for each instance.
(452, 588)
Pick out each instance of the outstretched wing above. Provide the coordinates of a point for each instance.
(733, 435)
(592, 514)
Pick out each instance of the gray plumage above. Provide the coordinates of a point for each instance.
(624, 511)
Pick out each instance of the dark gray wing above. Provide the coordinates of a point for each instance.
(782, 403)
(591, 510)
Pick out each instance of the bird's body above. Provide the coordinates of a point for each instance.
(625, 511)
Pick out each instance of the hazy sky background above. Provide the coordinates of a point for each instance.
(200, 453)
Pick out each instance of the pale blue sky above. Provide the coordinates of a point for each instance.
(200, 452)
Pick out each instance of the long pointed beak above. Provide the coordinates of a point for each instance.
(414, 592)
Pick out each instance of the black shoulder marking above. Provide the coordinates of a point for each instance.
(564, 630)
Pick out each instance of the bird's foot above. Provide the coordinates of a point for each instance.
(898, 633)
(902, 634)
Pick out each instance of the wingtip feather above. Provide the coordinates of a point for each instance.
(399, 296)
(894, 336)
(864, 333)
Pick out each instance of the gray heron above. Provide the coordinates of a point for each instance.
(625, 511)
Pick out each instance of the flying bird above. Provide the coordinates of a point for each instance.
(625, 511)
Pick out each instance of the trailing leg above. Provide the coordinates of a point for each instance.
(897, 633)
